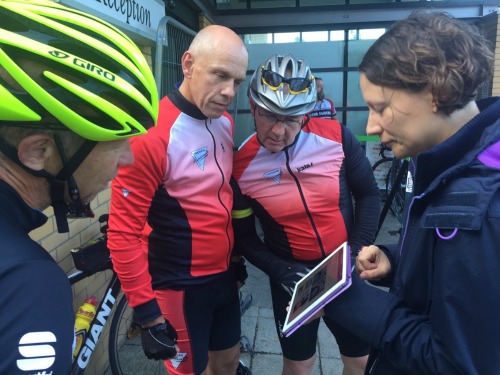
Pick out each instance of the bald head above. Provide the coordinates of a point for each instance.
(214, 66)
(215, 38)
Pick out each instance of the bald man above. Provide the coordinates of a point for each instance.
(170, 231)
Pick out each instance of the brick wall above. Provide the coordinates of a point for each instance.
(204, 21)
(490, 27)
(496, 74)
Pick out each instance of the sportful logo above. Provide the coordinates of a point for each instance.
(200, 156)
(84, 64)
(275, 175)
(38, 354)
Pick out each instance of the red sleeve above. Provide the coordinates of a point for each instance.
(131, 194)
(332, 106)
(241, 160)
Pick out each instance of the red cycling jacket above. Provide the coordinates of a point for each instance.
(304, 194)
(170, 211)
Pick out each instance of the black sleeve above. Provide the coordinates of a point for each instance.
(364, 189)
(249, 244)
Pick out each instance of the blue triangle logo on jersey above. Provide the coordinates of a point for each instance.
(199, 156)
(275, 175)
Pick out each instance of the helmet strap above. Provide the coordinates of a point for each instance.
(306, 120)
(62, 209)
(76, 208)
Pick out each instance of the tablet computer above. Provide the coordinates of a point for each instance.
(326, 281)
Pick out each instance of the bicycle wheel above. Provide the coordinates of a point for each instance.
(126, 356)
(397, 180)
(381, 169)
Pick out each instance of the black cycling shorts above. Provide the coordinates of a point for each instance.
(206, 318)
(301, 344)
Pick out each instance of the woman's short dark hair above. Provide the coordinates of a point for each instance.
(431, 51)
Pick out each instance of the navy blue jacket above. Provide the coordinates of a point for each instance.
(442, 313)
(36, 313)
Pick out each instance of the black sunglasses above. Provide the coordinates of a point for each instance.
(295, 85)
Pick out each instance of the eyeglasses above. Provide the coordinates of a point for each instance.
(295, 85)
(269, 119)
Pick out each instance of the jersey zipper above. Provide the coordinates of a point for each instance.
(304, 202)
(223, 179)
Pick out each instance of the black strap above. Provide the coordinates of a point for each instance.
(62, 210)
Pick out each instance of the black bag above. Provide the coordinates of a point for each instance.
(92, 256)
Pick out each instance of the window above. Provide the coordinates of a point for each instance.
(287, 37)
(258, 38)
(336, 35)
(315, 36)
(370, 33)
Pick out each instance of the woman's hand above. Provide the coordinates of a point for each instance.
(372, 263)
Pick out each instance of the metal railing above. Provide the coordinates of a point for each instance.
(172, 40)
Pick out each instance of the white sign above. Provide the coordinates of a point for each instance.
(141, 17)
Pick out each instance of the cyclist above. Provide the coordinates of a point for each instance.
(324, 107)
(174, 205)
(298, 176)
(420, 80)
(73, 90)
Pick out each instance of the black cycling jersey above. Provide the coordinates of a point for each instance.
(36, 315)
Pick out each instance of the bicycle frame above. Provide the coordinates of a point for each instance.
(100, 320)
(392, 193)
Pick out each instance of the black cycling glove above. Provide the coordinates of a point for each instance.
(293, 274)
(158, 341)
(240, 270)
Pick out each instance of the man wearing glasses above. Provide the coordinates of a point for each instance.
(298, 176)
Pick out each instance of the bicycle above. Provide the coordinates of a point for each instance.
(395, 181)
(126, 355)
(89, 260)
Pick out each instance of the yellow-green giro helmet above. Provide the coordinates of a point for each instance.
(284, 85)
(62, 68)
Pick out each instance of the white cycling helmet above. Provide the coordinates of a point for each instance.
(284, 85)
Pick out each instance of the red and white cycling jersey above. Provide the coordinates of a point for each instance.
(303, 194)
(171, 210)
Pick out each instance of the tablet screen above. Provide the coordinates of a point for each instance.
(318, 287)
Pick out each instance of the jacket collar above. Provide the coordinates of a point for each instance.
(460, 149)
(15, 211)
(185, 106)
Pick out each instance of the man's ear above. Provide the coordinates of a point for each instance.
(35, 150)
(187, 61)
(252, 106)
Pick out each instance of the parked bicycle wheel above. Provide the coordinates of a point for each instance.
(399, 184)
(381, 170)
(126, 356)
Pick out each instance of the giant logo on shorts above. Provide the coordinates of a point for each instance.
(37, 351)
